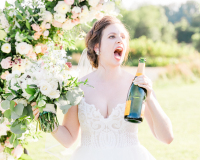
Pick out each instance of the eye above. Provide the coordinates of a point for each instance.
(112, 36)
(123, 37)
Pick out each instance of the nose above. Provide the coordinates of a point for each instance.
(119, 40)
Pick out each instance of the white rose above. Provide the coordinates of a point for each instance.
(68, 25)
(45, 87)
(38, 49)
(6, 48)
(109, 6)
(59, 17)
(76, 10)
(62, 7)
(23, 48)
(47, 16)
(93, 3)
(54, 85)
(54, 94)
(46, 33)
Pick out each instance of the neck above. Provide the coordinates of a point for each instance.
(108, 73)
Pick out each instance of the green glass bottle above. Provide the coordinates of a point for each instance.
(134, 111)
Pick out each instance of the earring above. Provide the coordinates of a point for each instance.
(97, 52)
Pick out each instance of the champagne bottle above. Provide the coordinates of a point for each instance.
(134, 111)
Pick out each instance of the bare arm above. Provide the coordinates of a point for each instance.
(158, 121)
(66, 133)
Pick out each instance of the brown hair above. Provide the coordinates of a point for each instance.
(94, 36)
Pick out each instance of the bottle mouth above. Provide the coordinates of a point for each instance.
(142, 60)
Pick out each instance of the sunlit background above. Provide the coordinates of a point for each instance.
(167, 33)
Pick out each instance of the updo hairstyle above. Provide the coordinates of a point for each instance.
(94, 36)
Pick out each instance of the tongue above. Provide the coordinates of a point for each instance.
(117, 56)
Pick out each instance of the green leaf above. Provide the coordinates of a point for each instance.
(30, 91)
(12, 138)
(17, 129)
(19, 17)
(10, 97)
(28, 25)
(12, 105)
(5, 104)
(31, 98)
(33, 86)
(30, 111)
(14, 115)
(15, 143)
(19, 109)
(7, 4)
(40, 109)
(7, 114)
(30, 37)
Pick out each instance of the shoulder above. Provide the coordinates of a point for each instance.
(128, 76)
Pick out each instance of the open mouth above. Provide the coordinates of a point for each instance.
(118, 53)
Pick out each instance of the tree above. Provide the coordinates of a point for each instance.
(150, 21)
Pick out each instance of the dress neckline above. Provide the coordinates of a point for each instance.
(119, 104)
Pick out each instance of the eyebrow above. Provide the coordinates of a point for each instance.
(115, 33)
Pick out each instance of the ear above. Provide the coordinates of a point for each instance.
(96, 47)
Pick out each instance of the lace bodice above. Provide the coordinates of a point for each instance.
(100, 132)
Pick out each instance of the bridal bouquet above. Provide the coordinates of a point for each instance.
(44, 83)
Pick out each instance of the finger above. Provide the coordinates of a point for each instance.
(37, 115)
(35, 112)
(33, 109)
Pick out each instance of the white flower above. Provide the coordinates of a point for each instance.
(109, 6)
(62, 7)
(38, 49)
(46, 33)
(54, 94)
(6, 47)
(4, 21)
(68, 25)
(23, 48)
(26, 95)
(93, 3)
(84, 14)
(54, 85)
(76, 10)
(59, 17)
(47, 16)
(3, 129)
(41, 103)
(19, 37)
(20, 66)
(45, 87)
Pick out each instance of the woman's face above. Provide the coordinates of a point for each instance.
(113, 45)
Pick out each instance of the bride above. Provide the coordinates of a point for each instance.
(105, 135)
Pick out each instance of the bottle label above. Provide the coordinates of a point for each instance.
(142, 111)
(127, 109)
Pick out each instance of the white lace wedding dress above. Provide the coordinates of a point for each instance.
(109, 138)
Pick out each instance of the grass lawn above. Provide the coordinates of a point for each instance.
(182, 104)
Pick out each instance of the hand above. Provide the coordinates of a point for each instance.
(36, 112)
(144, 82)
